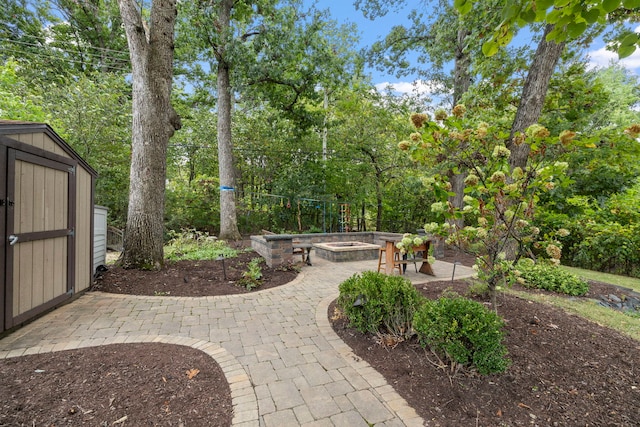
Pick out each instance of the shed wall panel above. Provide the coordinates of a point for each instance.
(39, 273)
(48, 266)
(99, 237)
(84, 261)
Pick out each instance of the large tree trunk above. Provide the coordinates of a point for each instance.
(534, 93)
(154, 122)
(228, 216)
(462, 66)
(461, 83)
(378, 201)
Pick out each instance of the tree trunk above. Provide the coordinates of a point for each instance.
(378, 200)
(154, 122)
(457, 200)
(228, 217)
(461, 75)
(461, 83)
(534, 93)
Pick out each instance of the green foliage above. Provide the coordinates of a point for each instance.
(570, 20)
(195, 245)
(499, 201)
(546, 276)
(376, 302)
(608, 247)
(601, 237)
(17, 101)
(93, 114)
(251, 278)
(464, 332)
(623, 207)
(193, 205)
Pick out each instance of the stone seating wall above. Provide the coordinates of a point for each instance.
(277, 249)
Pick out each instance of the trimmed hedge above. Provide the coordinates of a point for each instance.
(376, 302)
(464, 332)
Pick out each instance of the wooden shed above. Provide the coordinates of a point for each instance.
(46, 221)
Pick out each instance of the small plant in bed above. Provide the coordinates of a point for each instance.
(195, 245)
(251, 278)
(544, 275)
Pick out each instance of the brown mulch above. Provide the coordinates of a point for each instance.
(118, 384)
(565, 370)
(193, 278)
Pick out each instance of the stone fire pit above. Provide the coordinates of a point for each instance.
(346, 251)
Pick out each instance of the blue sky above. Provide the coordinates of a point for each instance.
(370, 31)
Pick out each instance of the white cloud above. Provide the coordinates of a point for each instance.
(603, 58)
(418, 87)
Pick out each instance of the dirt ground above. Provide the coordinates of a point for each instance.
(565, 371)
(120, 384)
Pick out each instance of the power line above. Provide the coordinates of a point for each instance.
(50, 55)
(105, 49)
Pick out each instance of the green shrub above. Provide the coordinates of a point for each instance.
(464, 332)
(609, 247)
(251, 277)
(376, 302)
(551, 278)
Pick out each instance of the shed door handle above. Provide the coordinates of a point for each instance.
(13, 239)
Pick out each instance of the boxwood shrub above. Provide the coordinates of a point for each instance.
(376, 302)
(462, 332)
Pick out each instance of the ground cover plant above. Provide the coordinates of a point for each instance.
(544, 275)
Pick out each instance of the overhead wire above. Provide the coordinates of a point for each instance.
(51, 56)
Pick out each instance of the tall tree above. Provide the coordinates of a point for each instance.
(439, 37)
(269, 51)
(368, 127)
(228, 217)
(221, 27)
(154, 122)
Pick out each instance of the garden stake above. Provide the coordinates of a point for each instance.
(454, 269)
(224, 270)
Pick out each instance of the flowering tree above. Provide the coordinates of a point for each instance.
(499, 201)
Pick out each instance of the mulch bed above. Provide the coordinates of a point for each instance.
(193, 278)
(120, 384)
(565, 370)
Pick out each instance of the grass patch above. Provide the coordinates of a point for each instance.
(590, 310)
(624, 281)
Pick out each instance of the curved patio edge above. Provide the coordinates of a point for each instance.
(243, 397)
(385, 392)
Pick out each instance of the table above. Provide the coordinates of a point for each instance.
(391, 262)
(303, 249)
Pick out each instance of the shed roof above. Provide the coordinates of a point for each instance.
(12, 127)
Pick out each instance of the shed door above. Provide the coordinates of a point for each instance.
(39, 244)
